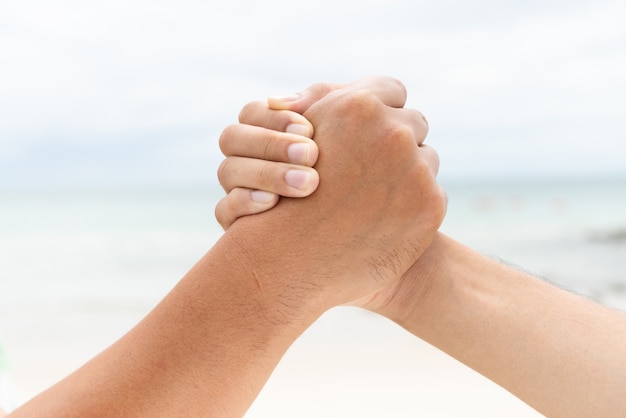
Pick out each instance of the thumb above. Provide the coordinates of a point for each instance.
(300, 102)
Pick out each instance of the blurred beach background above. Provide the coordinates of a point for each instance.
(109, 120)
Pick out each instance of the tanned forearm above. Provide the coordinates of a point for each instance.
(563, 355)
(206, 350)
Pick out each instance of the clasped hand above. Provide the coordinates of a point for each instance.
(377, 205)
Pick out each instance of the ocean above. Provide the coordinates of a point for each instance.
(569, 232)
(80, 267)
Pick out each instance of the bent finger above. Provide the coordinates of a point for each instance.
(266, 144)
(389, 90)
(300, 102)
(431, 157)
(243, 202)
(276, 177)
(259, 114)
(418, 123)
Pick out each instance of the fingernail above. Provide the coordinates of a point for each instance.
(299, 153)
(298, 129)
(291, 98)
(298, 178)
(261, 196)
(283, 103)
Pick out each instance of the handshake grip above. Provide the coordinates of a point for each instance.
(377, 206)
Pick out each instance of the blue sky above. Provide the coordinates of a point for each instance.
(136, 91)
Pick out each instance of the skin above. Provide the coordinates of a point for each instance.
(210, 345)
(560, 353)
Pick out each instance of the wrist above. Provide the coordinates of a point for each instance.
(400, 301)
(459, 284)
(277, 280)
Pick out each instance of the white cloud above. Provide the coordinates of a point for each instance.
(495, 73)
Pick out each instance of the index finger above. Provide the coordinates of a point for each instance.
(300, 102)
(389, 90)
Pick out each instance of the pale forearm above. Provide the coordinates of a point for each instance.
(558, 352)
(206, 350)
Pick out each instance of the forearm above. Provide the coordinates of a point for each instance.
(206, 350)
(558, 352)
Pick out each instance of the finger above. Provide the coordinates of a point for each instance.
(418, 123)
(431, 157)
(243, 202)
(266, 144)
(389, 90)
(300, 102)
(275, 177)
(258, 114)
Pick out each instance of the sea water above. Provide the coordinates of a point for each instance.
(78, 268)
(569, 232)
(86, 248)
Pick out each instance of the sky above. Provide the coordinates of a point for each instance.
(136, 92)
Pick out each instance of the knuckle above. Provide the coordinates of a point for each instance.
(401, 132)
(399, 140)
(266, 176)
(359, 104)
(240, 202)
(423, 120)
(421, 125)
(388, 83)
(435, 157)
(272, 145)
(319, 90)
(249, 110)
(223, 172)
(234, 205)
(279, 120)
(227, 135)
(220, 214)
(419, 119)
(400, 86)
